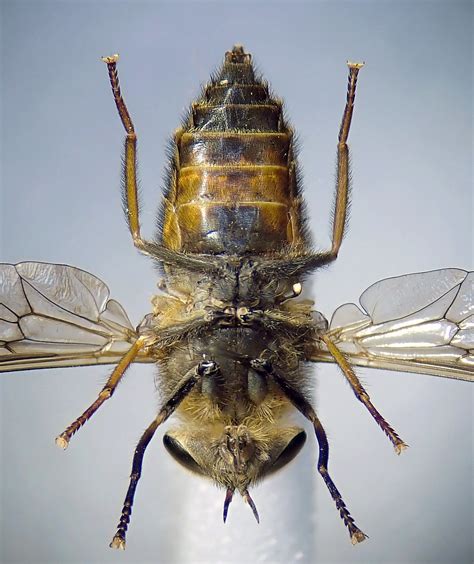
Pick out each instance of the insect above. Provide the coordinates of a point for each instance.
(229, 330)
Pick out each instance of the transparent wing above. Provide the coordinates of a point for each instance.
(53, 315)
(421, 322)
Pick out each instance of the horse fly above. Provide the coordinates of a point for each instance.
(229, 330)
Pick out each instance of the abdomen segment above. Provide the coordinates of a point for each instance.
(233, 182)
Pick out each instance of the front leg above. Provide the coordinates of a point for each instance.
(304, 407)
(193, 376)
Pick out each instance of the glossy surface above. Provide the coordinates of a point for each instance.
(420, 322)
(232, 181)
(55, 315)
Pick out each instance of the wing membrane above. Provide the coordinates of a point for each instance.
(53, 315)
(421, 322)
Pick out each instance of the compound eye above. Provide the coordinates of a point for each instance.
(288, 453)
(181, 455)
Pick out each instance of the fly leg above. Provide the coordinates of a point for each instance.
(130, 195)
(305, 263)
(63, 439)
(130, 189)
(204, 368)
(304, 407)
(341, 203)
(362, 395)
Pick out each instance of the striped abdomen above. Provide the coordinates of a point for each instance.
(233, 179)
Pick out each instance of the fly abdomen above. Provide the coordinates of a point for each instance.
(233, 180)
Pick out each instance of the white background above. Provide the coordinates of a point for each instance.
(412, 211)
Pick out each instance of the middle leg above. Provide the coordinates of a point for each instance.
(106, 393)
(360, 393)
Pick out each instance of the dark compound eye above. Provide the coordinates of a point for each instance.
(288, 453)
(181, 455)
